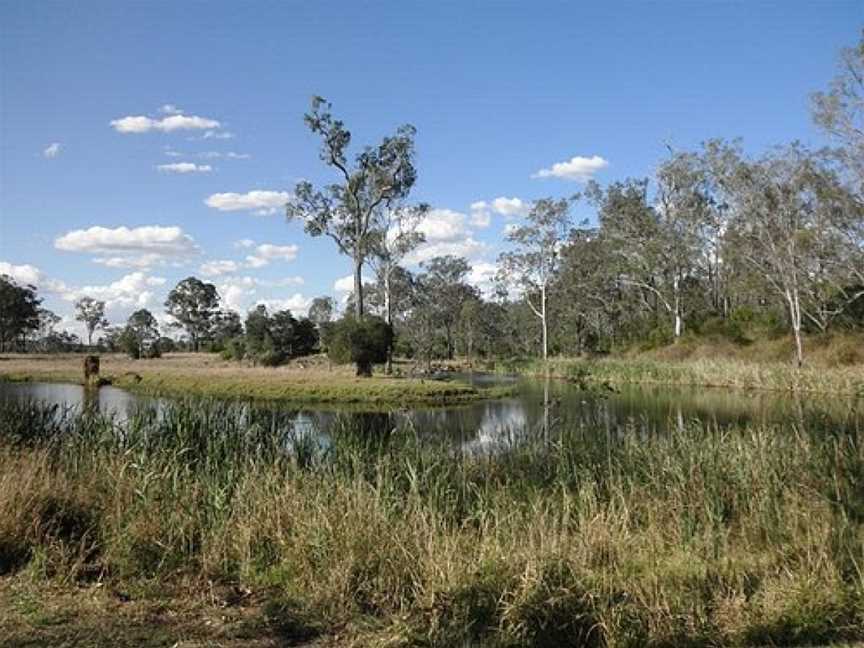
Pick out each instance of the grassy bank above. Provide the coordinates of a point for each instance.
(187, 374)
(698, 372)
(834, 364)
(748, 537)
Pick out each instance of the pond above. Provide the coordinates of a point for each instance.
(537, 408)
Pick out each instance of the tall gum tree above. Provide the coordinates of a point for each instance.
(787, 225)
(353, 211)
(397, 238)
(532, 264)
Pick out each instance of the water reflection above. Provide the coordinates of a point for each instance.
(541, 409)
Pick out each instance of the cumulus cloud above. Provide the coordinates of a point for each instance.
(580, 169)
(29, 274)
(482, 276)
(138, 247)
(267, 252)
(184, 167)
(261, 256)
(217, 268)
(134, 290)
(243, 293)
(446, 232)
(296, 303)
(23, 274)
(482, 210)
(52, 150)
(259, 202)
(174, 122)
(170, 109)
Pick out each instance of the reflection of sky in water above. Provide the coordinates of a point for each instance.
(537, 411)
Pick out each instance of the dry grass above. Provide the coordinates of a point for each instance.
(302, 381)
(750, 537)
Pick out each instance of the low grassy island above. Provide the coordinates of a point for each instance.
(308, 381)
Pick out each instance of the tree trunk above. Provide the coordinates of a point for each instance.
(358, 288)
(795, 318)
(679, 324)
(89, 337)
(545, 327)
(388, 317)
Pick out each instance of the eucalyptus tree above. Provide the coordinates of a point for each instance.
(785, 227)
(195, 306)
(141, 335)
(19, 311)
(395, 241)
(444, 281)
(840, 111)
(92, 313)
(353, 211)
(532, 264)
(321, 310)
(398, 237)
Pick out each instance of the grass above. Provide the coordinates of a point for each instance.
(834, 365)
(700, 538)
(206, 375)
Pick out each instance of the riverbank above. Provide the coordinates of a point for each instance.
(745, 537)
(701, 372)
(198, 374)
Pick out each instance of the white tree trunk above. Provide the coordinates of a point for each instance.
(543, 318)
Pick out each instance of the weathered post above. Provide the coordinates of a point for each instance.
(91, 371)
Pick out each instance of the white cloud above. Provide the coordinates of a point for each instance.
(467, 248)
(262, 256)
(580, 169)
(217, 268)
(242, 293)
(137, 247)
(144, 124)
(482, 276)
(53, 150)
(446, 232)
(260, 202)
(296, 303)
(185, 167)
(142, 261)
(170, 109)
(344, 284)
(481, 211)
(23, 274)
(218, 155)
(443, 225)
(28, 274)
(213, 134)
(131, 291)
(267, 252)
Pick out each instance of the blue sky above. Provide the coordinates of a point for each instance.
(498, 91)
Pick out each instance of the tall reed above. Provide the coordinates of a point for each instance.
(700, 537)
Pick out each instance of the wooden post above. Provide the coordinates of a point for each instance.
(91, 371)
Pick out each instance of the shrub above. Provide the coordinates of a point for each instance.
(364, 343)
(235, 349)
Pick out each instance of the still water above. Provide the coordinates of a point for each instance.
(537, 408)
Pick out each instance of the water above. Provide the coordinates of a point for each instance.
(538, 408)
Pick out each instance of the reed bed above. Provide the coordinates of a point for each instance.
(697, 538)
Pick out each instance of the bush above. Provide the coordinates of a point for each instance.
(364, 343)
(235, 349)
